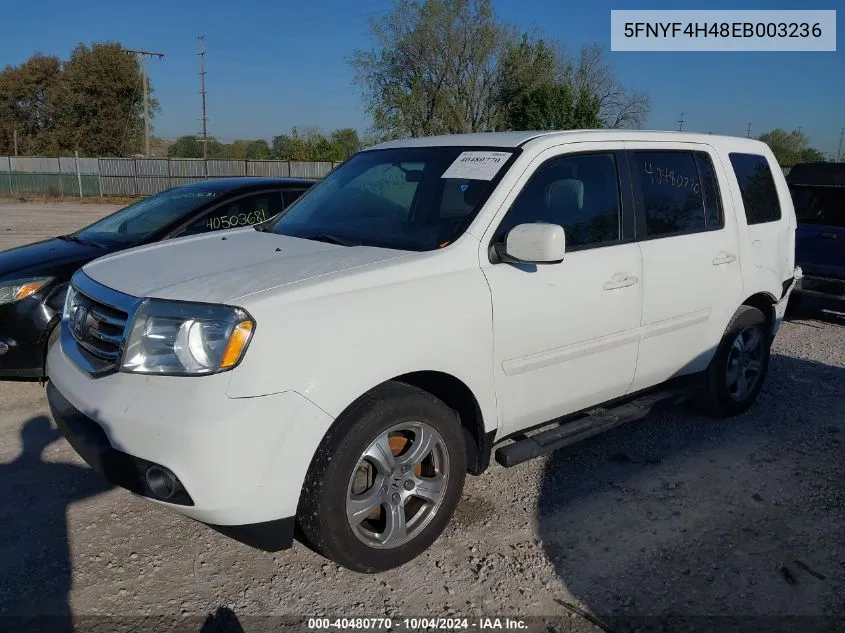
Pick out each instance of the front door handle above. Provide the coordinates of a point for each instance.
(724, 259)
(620, 280)
(827, 236)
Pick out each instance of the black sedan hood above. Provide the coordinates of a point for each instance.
(49, 257)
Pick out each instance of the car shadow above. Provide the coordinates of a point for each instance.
(35, 564)
(660, 522)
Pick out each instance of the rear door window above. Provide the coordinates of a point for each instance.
(676, 192)
(247, 210)
(759, 194)
(819, 205)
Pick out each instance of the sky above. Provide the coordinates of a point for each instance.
(277, 64)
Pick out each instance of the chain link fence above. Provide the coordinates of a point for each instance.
(80, 177)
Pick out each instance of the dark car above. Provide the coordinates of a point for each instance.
(818, 193)
(33, 278)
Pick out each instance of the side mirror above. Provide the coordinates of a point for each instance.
(534, 244)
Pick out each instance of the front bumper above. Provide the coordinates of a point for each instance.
(240, 462)
(24, 328)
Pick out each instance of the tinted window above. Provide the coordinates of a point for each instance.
(409, 198)
(292, 195)
(819, 205)
(132, 224)
(759, 195)
(579, 192)
(710, 189)
(243, 211)
(671, 192)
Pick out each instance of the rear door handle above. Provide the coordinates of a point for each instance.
(827, 236)
(620, 280)
(724, 259)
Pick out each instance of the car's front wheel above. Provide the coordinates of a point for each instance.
(385, 481)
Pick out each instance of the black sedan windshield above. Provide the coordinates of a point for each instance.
(132, 224)
(419, 198)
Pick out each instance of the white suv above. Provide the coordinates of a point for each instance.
(341, 369)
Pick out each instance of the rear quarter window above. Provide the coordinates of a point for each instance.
(759, 194)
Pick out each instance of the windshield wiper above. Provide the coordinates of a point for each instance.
(330, 239)
(79, 240)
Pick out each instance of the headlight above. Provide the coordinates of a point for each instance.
(11, 291)
(190, 339)
(70, 303)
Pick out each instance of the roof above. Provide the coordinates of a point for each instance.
(227, 184)
(517, 139)
(821, 174)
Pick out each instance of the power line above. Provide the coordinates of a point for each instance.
(203, 118)
(142, 54)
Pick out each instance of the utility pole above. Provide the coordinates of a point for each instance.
(142, 54)
(748, 130)
(681, 122)
(15, 140)
(839, 151)
(203, 118)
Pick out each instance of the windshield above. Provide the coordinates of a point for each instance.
(419, 198)
(132, 224)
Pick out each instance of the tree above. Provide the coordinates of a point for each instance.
(346, 143)
(618, 106)
(191, 147)
(249, 150)
(436, 68)
(102, 102)
(791, 147)
(449, 66)
(312, 144)
(28, 105)
(185, 147)
(537, 94)
(290, 147)
(92, 103)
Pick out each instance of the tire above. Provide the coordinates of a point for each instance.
(723, 395)
(351, 501)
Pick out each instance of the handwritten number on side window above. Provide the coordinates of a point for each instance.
(232, 221)
(647, 168)
(666, 176)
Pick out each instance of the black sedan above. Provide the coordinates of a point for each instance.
(34, 278)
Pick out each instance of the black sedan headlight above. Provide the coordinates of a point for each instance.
(11, 291)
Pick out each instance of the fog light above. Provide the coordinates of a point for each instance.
(161, 482)
(3, 348)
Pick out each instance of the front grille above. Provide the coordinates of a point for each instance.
(98, 328)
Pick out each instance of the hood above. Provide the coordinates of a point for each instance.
(222, 267)
(46, 257)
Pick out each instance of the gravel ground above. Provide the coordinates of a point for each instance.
(675, 514)
(25, 222)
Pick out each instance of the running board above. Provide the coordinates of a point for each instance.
(595, 422)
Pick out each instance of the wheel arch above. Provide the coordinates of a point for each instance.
(765, 302)
(456, 395)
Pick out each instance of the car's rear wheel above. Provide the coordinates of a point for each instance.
(735, 376)
(385, 481)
